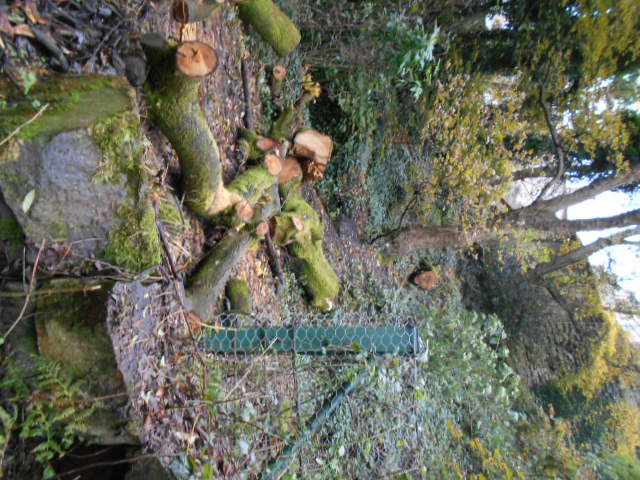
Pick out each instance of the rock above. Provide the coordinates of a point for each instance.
(71, 330)
(68, 205)
(149, 468)
(426, 280)
(73, 172)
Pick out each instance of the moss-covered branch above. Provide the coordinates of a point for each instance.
(271, 23)
(300, 228)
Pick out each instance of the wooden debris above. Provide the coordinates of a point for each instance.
(196, 59)
(290, 169)
(262, 229)
(244, 210)
(273, 164)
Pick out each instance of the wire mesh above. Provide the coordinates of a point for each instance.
(278, 375)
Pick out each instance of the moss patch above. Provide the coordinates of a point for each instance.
(11, 230)
(135, 243)
(237, 291)
(118, 139)
(74, 103)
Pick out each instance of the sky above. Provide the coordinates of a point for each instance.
(624, 259)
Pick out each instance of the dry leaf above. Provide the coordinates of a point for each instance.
(24, 30)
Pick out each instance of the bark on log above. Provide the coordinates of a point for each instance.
(188, 11)
(205, 287)
(172, 91)
(271, 23)
(175, 107)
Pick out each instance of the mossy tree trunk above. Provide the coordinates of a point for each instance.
(175, 107)
(271, 23)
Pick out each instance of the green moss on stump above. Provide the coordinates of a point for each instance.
(272, 24)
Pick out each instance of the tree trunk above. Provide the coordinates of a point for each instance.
(411, 240)
(271, 23)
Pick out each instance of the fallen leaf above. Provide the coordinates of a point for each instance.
(28, 201)
(32, 12)
(24, 30)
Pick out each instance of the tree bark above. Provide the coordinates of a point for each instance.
(410, 240)
(188, 11)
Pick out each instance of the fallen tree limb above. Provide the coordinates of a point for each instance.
(172, 90)
(300, 228)
(271, 23)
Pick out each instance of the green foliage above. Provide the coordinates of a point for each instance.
(50, 411)
(619, 467)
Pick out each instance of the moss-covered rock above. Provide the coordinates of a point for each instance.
(71, 330)
(74, 174)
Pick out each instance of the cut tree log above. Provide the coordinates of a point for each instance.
(205, 287)
(278, 75)
(271, 23)
(313, 146)
(196, 59)
(273, 164)
(291, 170)
(188, 11)
(172, 92)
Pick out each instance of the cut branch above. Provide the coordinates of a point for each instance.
(271, 23)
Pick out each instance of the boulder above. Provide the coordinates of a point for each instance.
(72, 172)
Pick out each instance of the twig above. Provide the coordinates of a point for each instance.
(20, 127)
(29, 292)
(246, 84)
(93, 399)
(275, 263)
(556, 145)
(104, 464)
(165, 243)
(248, 371)
(92, 288)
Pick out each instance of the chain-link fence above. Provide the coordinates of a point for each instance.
(317, 396)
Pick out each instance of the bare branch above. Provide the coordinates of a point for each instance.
(594, 188)
(582, 253)
(560, 153)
